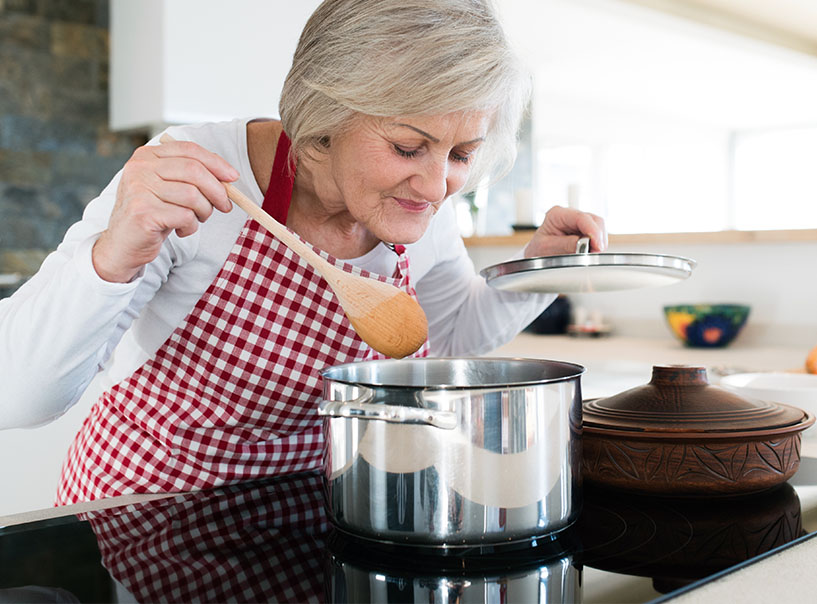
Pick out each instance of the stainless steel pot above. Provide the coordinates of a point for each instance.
(453, 452)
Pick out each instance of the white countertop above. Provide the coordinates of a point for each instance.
(783, 577)
(616, 363)
(653, 351)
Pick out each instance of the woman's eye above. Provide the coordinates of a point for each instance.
(461, 157)
(405, 152)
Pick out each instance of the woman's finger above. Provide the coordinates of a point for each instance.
(561, 230)
(183, 220)
(184, 195)
(217, 165)
(569, 221)
(173, 168)
(590, 225)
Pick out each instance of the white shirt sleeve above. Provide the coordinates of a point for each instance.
(465, 315)
(58, 329)
(63, 326)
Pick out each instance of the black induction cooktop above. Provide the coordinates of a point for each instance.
(270, 540)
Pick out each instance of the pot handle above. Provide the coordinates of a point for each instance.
(361, 408)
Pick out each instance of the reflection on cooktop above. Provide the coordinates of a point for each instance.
(677, 542)
(252, 543)
(271, 541)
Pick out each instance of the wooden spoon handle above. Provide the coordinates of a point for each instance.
(283, 234)
(286, 236)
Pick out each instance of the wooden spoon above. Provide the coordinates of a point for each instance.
(385, 317)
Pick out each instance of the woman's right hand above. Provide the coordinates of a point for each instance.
(167, 187)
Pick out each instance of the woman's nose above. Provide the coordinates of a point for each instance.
(431, 180)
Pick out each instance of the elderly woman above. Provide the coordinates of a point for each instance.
(210, 331)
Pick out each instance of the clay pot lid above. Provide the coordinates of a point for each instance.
(679, 401)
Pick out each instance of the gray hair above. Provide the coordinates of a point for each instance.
(405, 57)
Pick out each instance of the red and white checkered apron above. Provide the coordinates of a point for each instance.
(263, 542)
(232, 394)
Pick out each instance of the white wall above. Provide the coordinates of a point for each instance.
(31, 459)
(618, 54)
(779, 281)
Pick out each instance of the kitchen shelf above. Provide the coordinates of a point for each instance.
(799, 235)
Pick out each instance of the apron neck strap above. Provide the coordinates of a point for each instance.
(279, 192)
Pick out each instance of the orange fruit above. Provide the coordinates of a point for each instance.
(811, 361)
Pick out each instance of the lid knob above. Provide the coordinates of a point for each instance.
(679, 375)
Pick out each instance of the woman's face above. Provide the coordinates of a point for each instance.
(392, 174)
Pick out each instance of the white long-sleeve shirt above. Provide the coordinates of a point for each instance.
(66, 324)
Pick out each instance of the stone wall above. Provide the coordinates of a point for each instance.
(56, 152)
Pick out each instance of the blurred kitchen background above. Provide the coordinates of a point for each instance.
(690, 125)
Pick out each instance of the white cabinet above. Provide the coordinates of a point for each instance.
(185, 61)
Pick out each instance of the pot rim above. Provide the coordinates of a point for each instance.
(571, 371)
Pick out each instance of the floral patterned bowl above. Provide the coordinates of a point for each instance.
(706, 325)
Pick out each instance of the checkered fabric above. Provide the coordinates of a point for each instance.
(245, 543)
(232, 395)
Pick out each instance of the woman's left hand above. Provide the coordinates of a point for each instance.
(561, 231)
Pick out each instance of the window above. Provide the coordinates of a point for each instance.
(775, 179)
(641, 188)
(751, 181)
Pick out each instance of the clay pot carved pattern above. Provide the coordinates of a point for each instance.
(692, 468)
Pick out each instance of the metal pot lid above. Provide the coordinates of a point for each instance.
(679, 402)
(583, 272)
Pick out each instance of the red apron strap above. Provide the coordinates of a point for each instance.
(279, 191)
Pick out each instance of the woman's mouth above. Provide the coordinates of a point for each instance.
(412, 206)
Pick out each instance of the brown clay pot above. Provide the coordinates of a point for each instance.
(679, 435)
